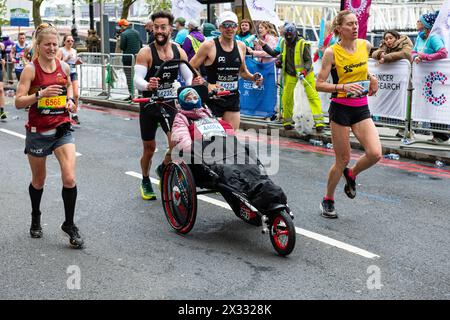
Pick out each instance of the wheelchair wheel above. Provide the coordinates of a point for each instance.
(282, 233)
(179, 196)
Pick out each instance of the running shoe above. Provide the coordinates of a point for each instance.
(36, 229)
(3, 116)
(147, 192)
(350, 186)
(75, 118)
(327, 208)
(72, 232)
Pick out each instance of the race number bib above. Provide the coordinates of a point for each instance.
(52, 105)
(228, 85)
(209, 127)
(165, 92)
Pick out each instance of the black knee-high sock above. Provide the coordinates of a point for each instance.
(69, 196)
(35, 196)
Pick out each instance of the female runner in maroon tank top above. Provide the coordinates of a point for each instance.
(45, 86)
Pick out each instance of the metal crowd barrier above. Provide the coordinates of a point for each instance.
(92, 75)
(122, 85)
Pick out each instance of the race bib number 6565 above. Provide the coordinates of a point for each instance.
(52, 105)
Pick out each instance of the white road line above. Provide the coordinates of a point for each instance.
(13, 133)
(303, 232)
(19, 135)
(336, 243)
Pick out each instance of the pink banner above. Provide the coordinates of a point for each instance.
(361, 8)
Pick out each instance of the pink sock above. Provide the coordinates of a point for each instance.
(328, 198)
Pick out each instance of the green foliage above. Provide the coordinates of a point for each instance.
(156, 5)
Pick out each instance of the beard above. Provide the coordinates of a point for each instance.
(161, 42)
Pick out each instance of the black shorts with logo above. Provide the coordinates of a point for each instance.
(347, 116)
(150, 116)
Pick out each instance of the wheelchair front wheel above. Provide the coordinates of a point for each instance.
(179, 197)
(282, 233)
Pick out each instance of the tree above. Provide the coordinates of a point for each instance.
(126, 8)
(37, 20)
(3, 11)
(157, 5)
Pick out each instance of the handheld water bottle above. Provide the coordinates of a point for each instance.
(257, 76)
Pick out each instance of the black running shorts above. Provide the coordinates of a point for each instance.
(150, 116)
(347, 116)
(221, 105)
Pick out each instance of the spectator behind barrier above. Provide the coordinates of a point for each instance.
(393, 47)
(268, 35)
(244, 33)
(429, 48)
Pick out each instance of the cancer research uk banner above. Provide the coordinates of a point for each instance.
(391, 98)
(431, 95)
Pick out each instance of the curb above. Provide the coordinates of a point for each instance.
(247, 123)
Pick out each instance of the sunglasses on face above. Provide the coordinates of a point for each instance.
(227, 25)
(69, 40)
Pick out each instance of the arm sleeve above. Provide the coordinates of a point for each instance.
(139, 77)
(270, 51)
(186, 74)
(441, 54)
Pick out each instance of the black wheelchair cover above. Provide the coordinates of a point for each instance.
(238, 167)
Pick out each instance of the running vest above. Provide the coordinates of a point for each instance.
(168, 75)
(48, 112)
(349, 67)
(225, 69)
(19, 57)
(71, 62)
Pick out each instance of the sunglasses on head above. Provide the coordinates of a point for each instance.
(43, 26)
(227, 25)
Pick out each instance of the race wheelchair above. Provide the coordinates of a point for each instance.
(181, 183)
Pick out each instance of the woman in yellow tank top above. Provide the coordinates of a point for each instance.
(347, 61)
